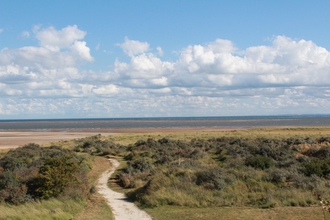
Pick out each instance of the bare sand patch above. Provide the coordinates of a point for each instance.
(14, 139)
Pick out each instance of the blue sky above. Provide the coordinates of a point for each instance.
(68, 59)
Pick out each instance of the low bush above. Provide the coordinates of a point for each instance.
(259, 162)
(318, 167)
(214, 178)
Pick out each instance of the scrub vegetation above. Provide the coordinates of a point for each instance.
(33, 173)
(197, 175)
(219, 172)
(48, 183)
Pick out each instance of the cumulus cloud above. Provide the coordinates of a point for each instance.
(80, 48)
(47, 70)
(56, 39)
(215, 78)
(59, 51)
(134, 47)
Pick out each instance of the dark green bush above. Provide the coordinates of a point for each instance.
(318, 167)
(323, 153)
(12, 190)
(259, 162)
(140, 165)
(54, 176)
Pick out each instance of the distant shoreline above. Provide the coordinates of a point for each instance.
(164, 123)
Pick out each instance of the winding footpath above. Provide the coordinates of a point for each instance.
(122, 209)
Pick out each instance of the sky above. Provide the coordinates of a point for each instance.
(163, 58)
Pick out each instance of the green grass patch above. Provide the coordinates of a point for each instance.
(246, 213)
(46, 209)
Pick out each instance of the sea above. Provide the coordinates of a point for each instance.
(166, 122)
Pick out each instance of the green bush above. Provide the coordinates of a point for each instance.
(54, 176)
(259, 162)
(318, 167)
(214, 178)
(12, 190)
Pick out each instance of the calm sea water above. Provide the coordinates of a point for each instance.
(175, 122)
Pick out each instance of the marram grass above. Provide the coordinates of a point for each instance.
(47, 209)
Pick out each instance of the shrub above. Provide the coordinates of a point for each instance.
(214, 178)
(277, 175)
(317, 167)
(54, 176)
(259, 162)
(323, 153)
(11, 190)
(141, 165)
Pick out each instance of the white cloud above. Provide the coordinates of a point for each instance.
(56, 39)
(106, 90)
(49, 55)
(216, 78)
(80, 48)
(46, 71)
(1, 30)
(160, 81)
(133, 47)
(143, 66)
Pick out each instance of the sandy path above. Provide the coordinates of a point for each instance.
(121, 208)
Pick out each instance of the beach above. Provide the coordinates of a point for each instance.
(18, 138)
(16, 133)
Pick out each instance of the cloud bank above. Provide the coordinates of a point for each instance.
(288, 76)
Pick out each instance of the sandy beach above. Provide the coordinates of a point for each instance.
(14, 139)
(18, 138)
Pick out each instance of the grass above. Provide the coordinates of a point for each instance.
(96, 208)
(313, 132)
(246, 213)
(48, 209)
